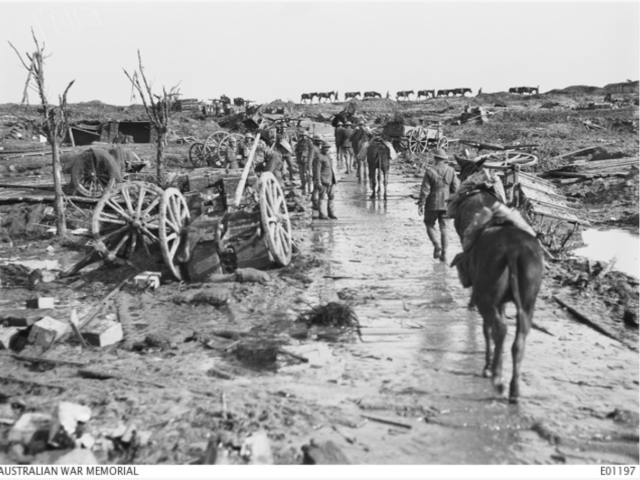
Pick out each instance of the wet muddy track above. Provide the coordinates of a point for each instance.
(422, 354)
(419, 364)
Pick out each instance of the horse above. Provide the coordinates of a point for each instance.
(426, 93)
(404, 94)
(379, 160)
(351, 95)
(325, 95)
(443, 93)
(308, 96)
(502, 261)
(372, 95)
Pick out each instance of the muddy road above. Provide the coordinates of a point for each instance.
(181, 378)
(421, 357)
(418, 365)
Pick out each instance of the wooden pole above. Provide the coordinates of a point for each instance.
(247, 169)
(73, 141)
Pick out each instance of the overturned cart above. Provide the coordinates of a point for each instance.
(213, 219)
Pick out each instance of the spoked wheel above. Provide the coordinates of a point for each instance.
(275, 219)
(443, 143)
(199, 153)
(125, 218)
(508, 157)
(224, 144)
(94, 173)
(212, 142)
(174, 217)
(214, 139)
(418, 141)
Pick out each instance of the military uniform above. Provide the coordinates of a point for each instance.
(304, 149)
(273, 163)
(231, 156)
(339, 136)
(346, 147)
(438, 183)
(325, 180)
(286, 155)
(313, 158)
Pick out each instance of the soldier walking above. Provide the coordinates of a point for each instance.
(338, 136)
(304, 149)
(325, 181)
(438, 183)
(347, 148)
(313, 158)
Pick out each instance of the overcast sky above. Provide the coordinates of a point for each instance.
(264, 51)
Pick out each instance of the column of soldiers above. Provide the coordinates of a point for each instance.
(315, 166)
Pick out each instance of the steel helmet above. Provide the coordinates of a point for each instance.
(440, 153)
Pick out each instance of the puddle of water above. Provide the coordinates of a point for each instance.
(604, 245)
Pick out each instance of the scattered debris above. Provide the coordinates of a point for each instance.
(41, 303)
(46, 331)
(333, 314)
(66, 420)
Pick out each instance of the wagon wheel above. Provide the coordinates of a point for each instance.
(418, 141)
(224, 144)
(443, 143)
(92, 175)
(174, 217)
(199, 153)
(275, 219)
(125, 218)
(214, 139)
(509, 157)
(214, 160)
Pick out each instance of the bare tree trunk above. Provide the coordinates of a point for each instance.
(54, 123)
(160, 143)
(61, 223)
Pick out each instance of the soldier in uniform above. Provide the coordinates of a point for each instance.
(313, 157)
(303, 155)
(231, 154)
(339, 135)
(438, 183)
(347, 149)
(273, 163)
(281, 135)
(325, 180)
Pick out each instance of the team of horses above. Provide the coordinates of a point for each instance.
(401, 95)
(525, 90)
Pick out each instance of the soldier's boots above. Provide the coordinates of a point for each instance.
(445, 244)
(322, 208)
(433, 236)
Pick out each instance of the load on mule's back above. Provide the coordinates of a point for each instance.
(502, 261)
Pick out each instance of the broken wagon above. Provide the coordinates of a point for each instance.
(207, 220)
(416, 140)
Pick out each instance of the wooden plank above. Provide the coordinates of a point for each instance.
(582, 150)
